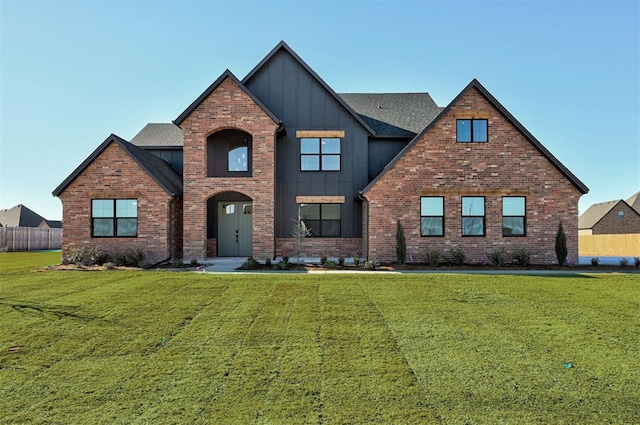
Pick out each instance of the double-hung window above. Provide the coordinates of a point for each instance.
(473, 216)
(513, 216)
(320, 154)
(323, 220)
(112, 218)
(471, 131)
(432, 216)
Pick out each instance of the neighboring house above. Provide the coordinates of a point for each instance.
(634, 201)
(610, 218)
(232, 173)
(21, 216)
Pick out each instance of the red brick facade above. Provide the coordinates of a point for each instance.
(436, 165)
(115, 175)
(228, 107)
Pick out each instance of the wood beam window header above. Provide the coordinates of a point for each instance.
(472, 115)
(114, 194)
(320, 133)
(319, 199)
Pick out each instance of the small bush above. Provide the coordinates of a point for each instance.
(370, 265)
(636, 261)
(285, 260)
(433, 257)
(595, 261)
(356, 260)
(194, 261)
(624, 262)
(522, 257)
(330, 264)
(250, 264)
(561, 246)
(282, 265)
(98, 256)
(459, 257)
(323, 260)
(109, 266)
(496, 257)
(132, 257)
(341, 261)
(267, 262)
(76, 256)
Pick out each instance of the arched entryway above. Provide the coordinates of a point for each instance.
(230, 225)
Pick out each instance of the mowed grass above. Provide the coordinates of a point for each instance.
(136, 347)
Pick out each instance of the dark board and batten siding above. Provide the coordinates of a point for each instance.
(289, 91)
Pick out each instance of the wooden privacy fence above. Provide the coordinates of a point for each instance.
(29, 239)
(609, 245)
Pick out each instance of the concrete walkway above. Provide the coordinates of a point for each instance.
(231, 265)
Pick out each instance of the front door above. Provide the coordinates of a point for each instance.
(235, 229)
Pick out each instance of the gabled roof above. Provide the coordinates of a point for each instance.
(20, 216)
(284, 46)
(166, 177)
(475, 84)
(159, 135)
(634, 202)
(51, 224)
(596, 212)
(394, 114)
(226, 74)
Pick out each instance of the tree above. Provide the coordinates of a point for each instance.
(561, 245)
(300, 232)
(401, 244)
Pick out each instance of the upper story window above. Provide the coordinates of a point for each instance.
(229, 154)
(513, 216)
(471, 130)
(320, 154)
(114, 218)
(473, 216)
(432, 216)
(324, 220)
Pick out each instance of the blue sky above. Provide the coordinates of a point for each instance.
(71, 73)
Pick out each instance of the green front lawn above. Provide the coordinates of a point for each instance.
(161, 347)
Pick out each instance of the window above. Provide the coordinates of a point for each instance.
(621, 214)
(471, 131)
(114, 218)
(322, 219)
(320, 154)
(432, 216)
(513, 216)
(472, 216)
(238, 156)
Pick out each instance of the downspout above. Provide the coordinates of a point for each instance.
(366, 213)
(279, 129)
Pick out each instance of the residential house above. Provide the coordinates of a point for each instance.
(21, 216)
(610, 218)
(234, 171)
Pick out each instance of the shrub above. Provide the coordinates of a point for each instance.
(194, 261)
(370, 265)
(330, 264)
(285, 260)
(341, 261)
(561, 245)
(401, 244)
(132, 257)
(595, 261)
(356, 260)
(267, 262)
(459, 257)
(323, 260)
(109, 266)
(282, 265)
(636, 261)
(250, 264)
(624, 262)
(98, 256)
(496, 257)
(76, 256)
(522, 256)
(433, 257)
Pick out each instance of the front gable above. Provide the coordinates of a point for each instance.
(509, 147)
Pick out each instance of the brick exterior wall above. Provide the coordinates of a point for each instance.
(508, 163)
(228, 107)
(612, 224)
(115, 175)
(317, 247)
